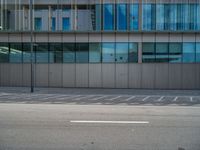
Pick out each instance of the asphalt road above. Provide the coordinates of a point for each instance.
(98, 127)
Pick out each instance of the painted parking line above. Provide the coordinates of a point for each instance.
(109, 122)
(191, 99)
(128, 99)
(114, 98)
(83, 97)
(144, 99)
(101, 97)
(175, 99)
(160, 99)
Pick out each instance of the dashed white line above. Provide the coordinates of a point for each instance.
(144, 99)
(129, 98)
(191, 99)
(110, 99)
(175, 99)
(160, 99)
(94, 99)
(110, 122)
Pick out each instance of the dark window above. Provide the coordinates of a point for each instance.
(42, 54)
(133, 52)
(162, 54)
(55, 53)
(4, 53)
(26, 52)
(148, 52)
(69, 52)
(175, 52)
(38, 24)
(15, 52)
(95, 52)
(82, 52)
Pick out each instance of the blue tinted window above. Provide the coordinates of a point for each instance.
(173, 17)
(98, 17)
(121, 17)
(82, 52)
(15, 53)
(108, 17)
(95, 52)
(4, 53)
(68, 52)
(148, 17)
(53, 28)
(38, 24)
(55, 53)
(160, 17)
(188, 52)
(108, 52)
(134, 15)
(198, 52)
(133, 52)
(162, 54)
(198, 17)
(121, 52)
(185, 16)
(42, 53)
(26, 52)
(175, 52)
(148, 52)
(66, 24)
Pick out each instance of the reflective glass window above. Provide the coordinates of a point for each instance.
(167, 16)
(160, 17)
(55, 53)
(27, 53)
(121, 17)
(148, 16)
(108, 52)
(42, 53)
(175, 52)
(133, 52)
(188, 52)
(198, 17)
(121, 55)
(108, 17)
(82, 52)
(66, 24)
(134, 16)
(53, 28)
(198, 52)
(186, 16)
(162, 54)
(83, 17)
(38, 24)
(173, 17)
(148, 52)
(95, 52)
(4, 53)
(95, 17)
(68, 52)
(15, 53)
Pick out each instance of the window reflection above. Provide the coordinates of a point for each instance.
(121, 17)
(121, 52)
(188, 52)
(148, 52)
(133, 52)
(162, 54)
(4, 53)
(175, 52)
(95, 52)
(42, 53)
(108, 52)
(82, 52)
(68, 52)
(55, 53)
(108, 17)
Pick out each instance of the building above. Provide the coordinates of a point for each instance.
(149, 44)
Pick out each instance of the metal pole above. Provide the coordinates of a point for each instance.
(31, 32)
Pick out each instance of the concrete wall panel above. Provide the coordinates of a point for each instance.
(15, 37)
(42, 75)
(135, 37)
(69, 77)
(41, 37)
(82, 37)
(5, 74)
(26, 37)
(94, 37)
(55, 37)
(148, 37)
(198, 76)
(148, 76)
(162, 76)
(55, 75)
(121, 37)
(108, 37)
(135, 75)
(95, 75)
(162, 37)
(108, 75)
(197, 37)
(68, 38)
(188, 76)
(82, 75)
(175, 76)
(188, 37)
(3, 37)
(16, 74)
(175, 37)
(121, 75)
(26, 76)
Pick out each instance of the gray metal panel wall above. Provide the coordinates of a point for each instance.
(5, 74)
(188, 76)
(69, 75)
(55, 75)
(108, 75)
(121, 76)
(175, 76)
(162, 76)
(135, 75)
(16, 72)
(42, 75)
(198, 76)
(95, 76)
(82, 79)
(26, 75)
(148, 76)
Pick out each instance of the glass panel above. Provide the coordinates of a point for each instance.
(53, 28)
(83, 15)
(82, 52)
(108, 17)
(188, 52)
(26, 52)
(108, 52)
(198, 52)
(134, 16)
(121, 17)
(68, 52)
(167, 16)
(162, 54)
(148, 52)
(4, 53)
(186, 16)
(66, 24)
(160, 17)
(42, 55)
(15, 52)
(148, 17)
(121, 53)
(198, 17)
(173, 17)
(95, 52)
(95, 17)
(175, 52)
(38, 24)
(55, 53)
(133, 52)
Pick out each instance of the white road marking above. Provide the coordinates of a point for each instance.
(110, 99)
(160, 99)
(175, 99)
(110, 122)
(191, 99)
(144, 99)
(94, 99)
(129, 98)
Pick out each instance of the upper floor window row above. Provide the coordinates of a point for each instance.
(103, 17)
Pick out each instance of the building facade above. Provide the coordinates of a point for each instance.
(148, 44)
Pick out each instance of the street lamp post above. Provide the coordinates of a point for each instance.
(31, 44)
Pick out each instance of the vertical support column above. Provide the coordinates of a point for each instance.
(140, 52)
(49, 18)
